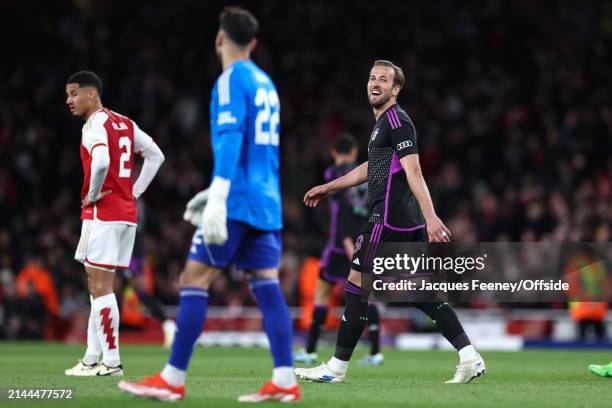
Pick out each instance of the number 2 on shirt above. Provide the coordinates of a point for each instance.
(125, 144)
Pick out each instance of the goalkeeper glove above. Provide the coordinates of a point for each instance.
(195, 206)
(214, 217)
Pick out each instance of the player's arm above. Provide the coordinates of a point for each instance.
(349, 247)
(153, 159)
(346, 224)
(358, 175)
(436, 230)
(95, 140)
(231, 114)
(405, 145)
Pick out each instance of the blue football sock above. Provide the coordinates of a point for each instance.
(276, 319)
(189, 324)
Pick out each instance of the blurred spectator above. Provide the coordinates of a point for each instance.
(24, 315)
(35, 275)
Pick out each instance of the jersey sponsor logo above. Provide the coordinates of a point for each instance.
(374, 134)
(226, 118)
(404, 144)
(356, 261)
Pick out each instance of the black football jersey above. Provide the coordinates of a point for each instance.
(391, 201)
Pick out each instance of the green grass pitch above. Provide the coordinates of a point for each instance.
(218, 375)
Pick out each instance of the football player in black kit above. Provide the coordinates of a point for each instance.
(401, 210)
(349, 210)
(135, 277)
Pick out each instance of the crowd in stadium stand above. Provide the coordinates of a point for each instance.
(512, 103)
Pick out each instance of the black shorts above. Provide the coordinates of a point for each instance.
(373, 234)
(335, 266)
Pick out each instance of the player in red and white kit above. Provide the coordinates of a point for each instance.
(108, 202)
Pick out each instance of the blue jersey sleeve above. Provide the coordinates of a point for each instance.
(231, 113)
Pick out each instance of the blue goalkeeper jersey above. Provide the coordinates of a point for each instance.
(244, 128)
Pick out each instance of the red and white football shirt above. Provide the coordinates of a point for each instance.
(122, 136)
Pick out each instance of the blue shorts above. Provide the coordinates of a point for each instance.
(246, 247)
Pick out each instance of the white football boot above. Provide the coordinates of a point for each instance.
(83, 370)
(322, 373)
(103, 370)
(468, 370)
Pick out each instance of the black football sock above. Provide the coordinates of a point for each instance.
(374, 328)
(353, 321)
(155, 308)
(319, 315)
(446, 320)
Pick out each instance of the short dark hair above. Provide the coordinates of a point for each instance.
(398, 73)
(86, 78)
(239, 25)
(344, 143)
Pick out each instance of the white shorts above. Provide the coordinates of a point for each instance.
(106, 245)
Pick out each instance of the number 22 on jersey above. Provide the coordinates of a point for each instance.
(268, 117)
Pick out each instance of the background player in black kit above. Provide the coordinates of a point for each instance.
(134, 276)
(349, 210)
(401, 210)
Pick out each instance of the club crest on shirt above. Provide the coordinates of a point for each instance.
(374, 134)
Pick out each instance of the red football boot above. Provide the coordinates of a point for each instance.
(271, 392)
(154, 387)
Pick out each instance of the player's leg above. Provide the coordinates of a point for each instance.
(319, 316)
(471, 365)
(89, 364)
(94, 349)
(277, 325)
(194, 283)
(102, 248)
(106, 312)
(204, 264)
(259, 255)
(169, 384)
(352, 324)
(137, 282)
(321, 299)
(353, 319)
(375, 357)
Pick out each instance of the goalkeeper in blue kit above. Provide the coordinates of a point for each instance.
(240, 223)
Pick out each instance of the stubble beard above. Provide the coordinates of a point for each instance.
(379, 104)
